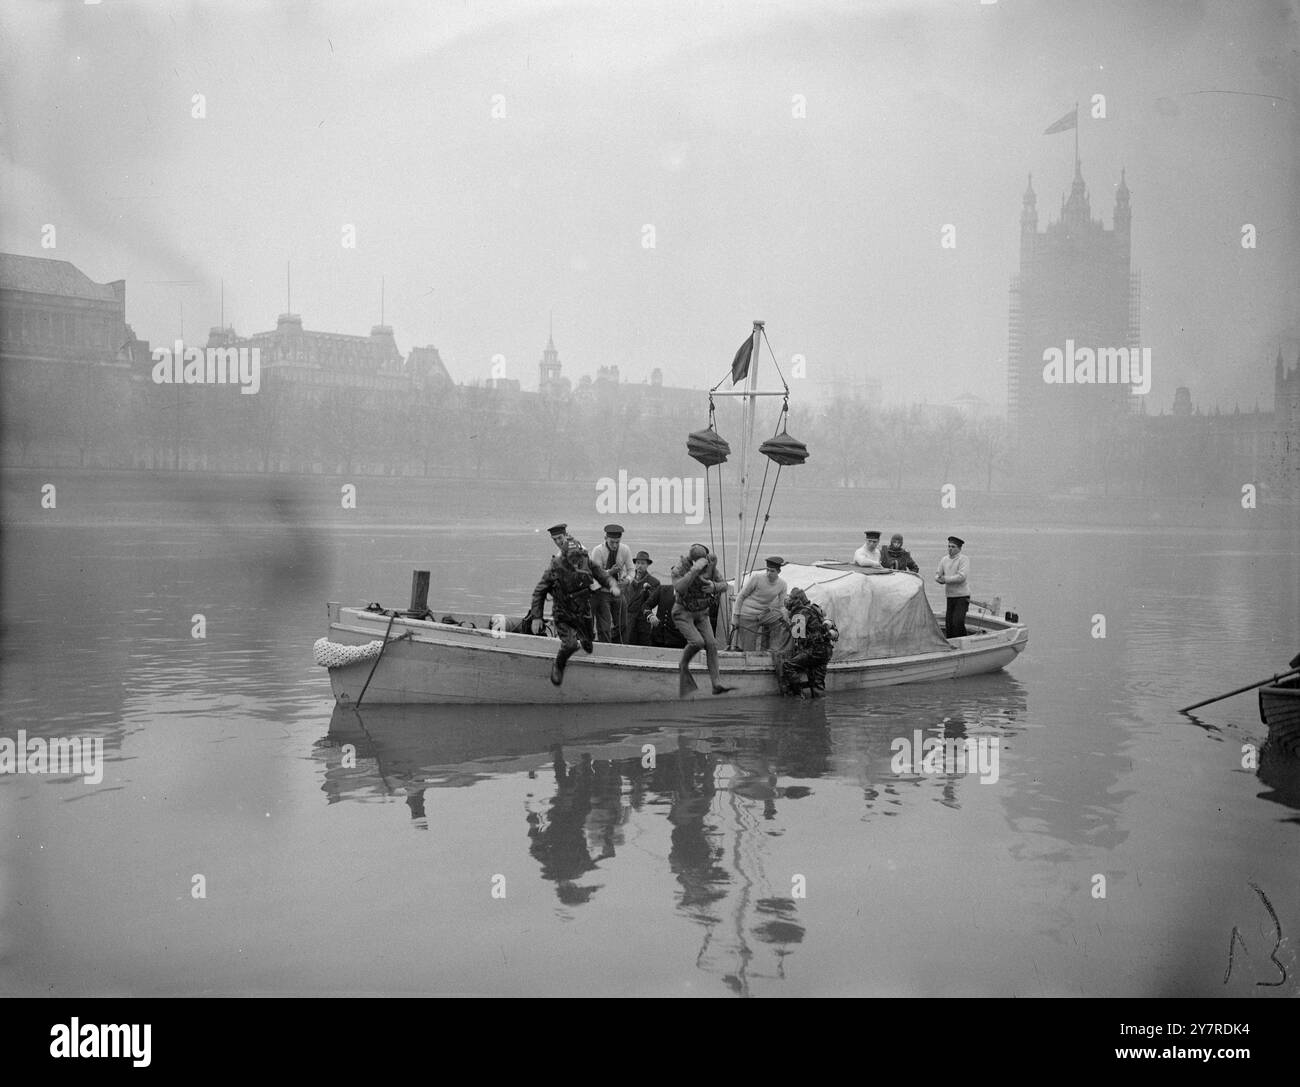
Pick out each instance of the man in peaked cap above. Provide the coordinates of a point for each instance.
(560, 537)
(869, 553)
(641, 600)
(954, 571)
(759, 606)
(615, 558)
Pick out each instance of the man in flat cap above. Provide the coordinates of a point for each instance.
(641, 601)
(759, 606)
(954, 572)
(869, 553)
(568, 583)
(615, 558)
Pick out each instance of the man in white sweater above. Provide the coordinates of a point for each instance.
(954, 571)
(869, 553)
(758, 606)
(615, 558)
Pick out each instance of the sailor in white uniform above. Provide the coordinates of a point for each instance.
(869, 553)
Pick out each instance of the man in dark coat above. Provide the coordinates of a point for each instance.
(569, 583)
(663, 631)
(642, 599)
(895, 558)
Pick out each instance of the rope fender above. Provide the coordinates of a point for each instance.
(337, 655)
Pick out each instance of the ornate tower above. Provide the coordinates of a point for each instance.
(1074, 283)
(548, 369)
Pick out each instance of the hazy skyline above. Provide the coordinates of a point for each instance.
(827, 225)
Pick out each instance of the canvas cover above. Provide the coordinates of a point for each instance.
(879, 615)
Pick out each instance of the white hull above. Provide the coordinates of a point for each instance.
(446, 664)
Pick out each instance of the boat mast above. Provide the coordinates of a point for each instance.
(747, 430)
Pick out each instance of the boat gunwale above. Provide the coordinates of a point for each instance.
(1005, 636)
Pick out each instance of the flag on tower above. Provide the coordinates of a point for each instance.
(1070, 120)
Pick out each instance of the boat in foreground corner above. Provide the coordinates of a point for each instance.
(1279, 709)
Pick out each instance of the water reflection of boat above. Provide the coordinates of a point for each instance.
(704, 812)
(717, 788)
(397, 747)
(1280, 771)
(408, 738)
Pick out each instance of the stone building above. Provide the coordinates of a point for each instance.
(322, 393)
(52, 312)
(66, 356)
(316, 361)
(1190, 451)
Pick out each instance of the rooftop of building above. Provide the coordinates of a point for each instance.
(41, 275)
(379, 333)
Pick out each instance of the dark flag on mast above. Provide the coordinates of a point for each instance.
(1070, 120)
(740, 364)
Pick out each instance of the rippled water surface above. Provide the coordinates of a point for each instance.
(770, 850)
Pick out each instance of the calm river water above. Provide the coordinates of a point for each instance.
(771, 850)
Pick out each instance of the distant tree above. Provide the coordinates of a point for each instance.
(552, 427)
(28, 417)
(1116, 440)
(86, 415)
(949, 432)
(425, 424)
(903, 429)
(147, 418)
(343, 429)
(479, 423)
(391, 443)
(988, 446)
(262, 420)
(846, 433)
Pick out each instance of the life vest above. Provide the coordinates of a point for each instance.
(695, 598)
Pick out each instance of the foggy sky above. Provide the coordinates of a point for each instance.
(677, 115)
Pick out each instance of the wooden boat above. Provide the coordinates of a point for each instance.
(889, 634)
(442, 663)
(1279, 709)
